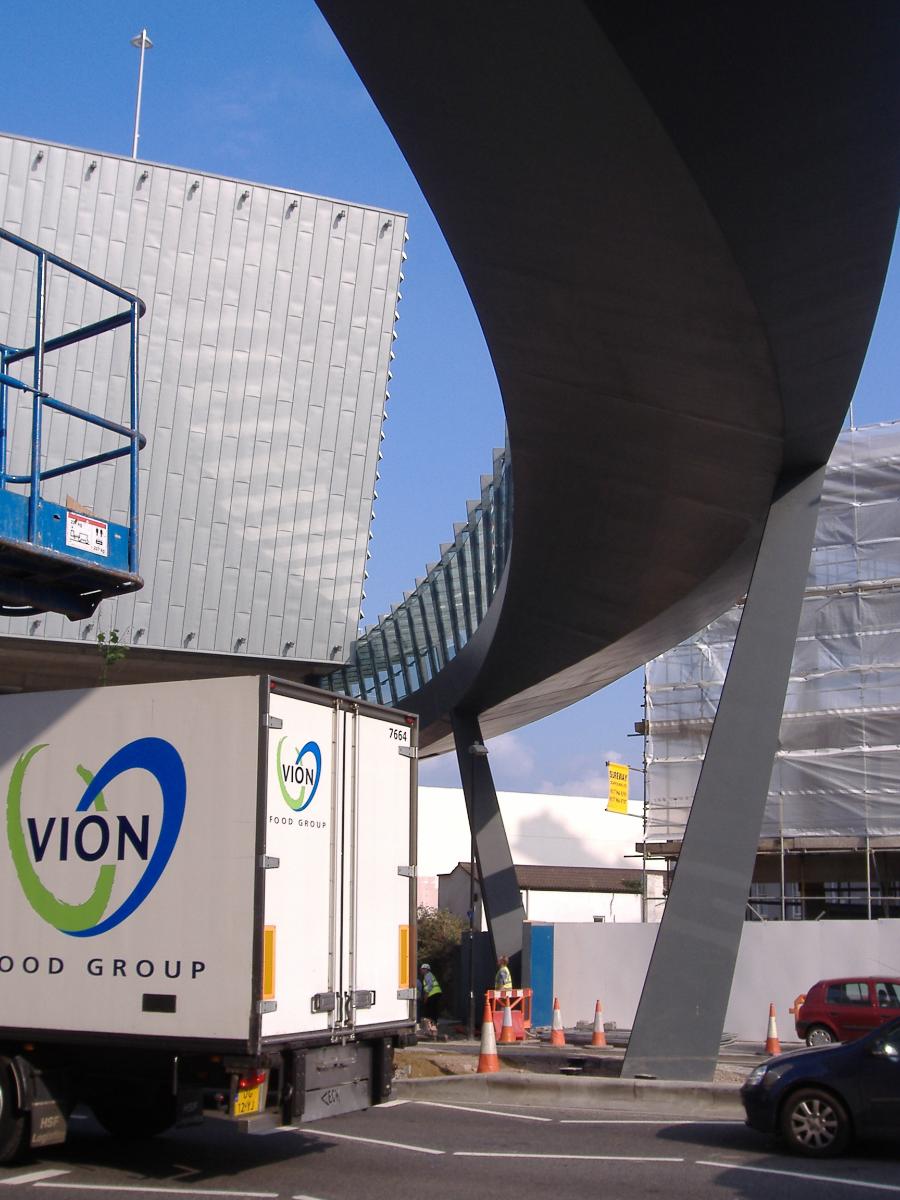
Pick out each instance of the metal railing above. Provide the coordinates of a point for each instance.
(37, 352)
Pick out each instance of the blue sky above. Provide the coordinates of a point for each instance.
(264, 93)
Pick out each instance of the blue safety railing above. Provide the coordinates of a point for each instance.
(30, 530)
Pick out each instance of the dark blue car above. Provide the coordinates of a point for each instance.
(818, 1100)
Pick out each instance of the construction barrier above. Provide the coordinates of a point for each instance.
(557, 1032)
(488, 1062)
(773, 1045)
(518, 1002)
(598, 1035)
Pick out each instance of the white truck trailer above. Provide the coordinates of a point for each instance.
(207, 905)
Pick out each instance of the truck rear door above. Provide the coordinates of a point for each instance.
(339, 890)
(379, 852)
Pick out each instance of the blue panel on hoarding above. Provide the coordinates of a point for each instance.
(540, 960)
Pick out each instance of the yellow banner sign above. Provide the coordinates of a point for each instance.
(618, 788)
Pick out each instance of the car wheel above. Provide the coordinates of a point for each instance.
(819, 1035)
(814, 1122)
(14, 1125)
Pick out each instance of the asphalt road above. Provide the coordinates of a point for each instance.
(452, 1153)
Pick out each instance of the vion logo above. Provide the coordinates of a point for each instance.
(298, 777)
(61, 841)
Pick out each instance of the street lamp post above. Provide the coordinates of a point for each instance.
(476, 750)
(142, 42)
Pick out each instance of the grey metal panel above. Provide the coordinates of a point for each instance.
(264, 357)
(678, 1025)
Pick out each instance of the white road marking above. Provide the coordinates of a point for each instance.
(349, 1137)
(643, 1121)
(860, 1183)
(387, 1104)
(158, 1191)
(566, 1157)
(33, 1176)
(487, 1112)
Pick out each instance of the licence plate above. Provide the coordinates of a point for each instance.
(246, 1102)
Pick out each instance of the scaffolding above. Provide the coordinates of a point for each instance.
(832, 820)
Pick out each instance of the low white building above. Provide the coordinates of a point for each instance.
(543, 831)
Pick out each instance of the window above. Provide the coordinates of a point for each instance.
(887, 994)
(854, 992)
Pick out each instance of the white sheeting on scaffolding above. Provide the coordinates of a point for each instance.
(837, 770)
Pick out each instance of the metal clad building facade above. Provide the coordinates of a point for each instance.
(264, 362)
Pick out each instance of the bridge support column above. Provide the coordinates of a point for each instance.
(496, 873)
(678, 1027)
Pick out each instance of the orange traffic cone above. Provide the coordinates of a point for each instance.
(773, 1046)
(507, 1033)
(557, 1033)
(488, 1062)
(598, 1037)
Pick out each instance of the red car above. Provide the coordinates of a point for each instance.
(839, 1010)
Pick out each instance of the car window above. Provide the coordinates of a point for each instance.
(851, 992)
(887, 994)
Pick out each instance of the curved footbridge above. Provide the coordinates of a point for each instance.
(674, 221)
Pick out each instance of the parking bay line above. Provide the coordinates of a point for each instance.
(33, 1177)
(351, 1137)
(842, 1182)
(643, 1158)
(160, 1191)
(643, 1121)
(486, 1112)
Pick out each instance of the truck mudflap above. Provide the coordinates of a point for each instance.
(332, 1080)
(41, 1096)
(48, 1120)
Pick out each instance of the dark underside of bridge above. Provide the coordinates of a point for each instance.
(674, 221)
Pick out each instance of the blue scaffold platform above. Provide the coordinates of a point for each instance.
(63, 557)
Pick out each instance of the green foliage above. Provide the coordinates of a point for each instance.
(439, 935)
(112, 650)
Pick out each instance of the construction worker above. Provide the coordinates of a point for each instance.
(503, 978)
(431, 990)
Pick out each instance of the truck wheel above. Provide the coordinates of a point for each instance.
(819, 1035)
(135, 1117)
(815, 1123)
(14, 1131)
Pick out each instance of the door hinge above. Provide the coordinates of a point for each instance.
(408, 872)
(324, 1002)
(266, 1006)
(268, 863)
(408, 751)
(270, 722)
(407, 994)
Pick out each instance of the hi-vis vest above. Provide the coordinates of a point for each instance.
(430, 985)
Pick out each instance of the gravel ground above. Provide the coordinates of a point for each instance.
(430, 1064)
